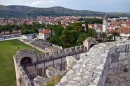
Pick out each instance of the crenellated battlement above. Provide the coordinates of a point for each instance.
(28, 65)
(61, 53)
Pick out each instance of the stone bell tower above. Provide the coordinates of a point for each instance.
(105, 24)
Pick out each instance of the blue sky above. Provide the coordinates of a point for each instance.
(95, 5)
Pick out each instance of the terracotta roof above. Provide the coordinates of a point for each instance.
(45, 31)
(124, 30)
(112, 30)
(90, 25)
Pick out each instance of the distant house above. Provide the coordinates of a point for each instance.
(44, 34)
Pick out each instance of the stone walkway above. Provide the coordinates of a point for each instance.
(119, 79)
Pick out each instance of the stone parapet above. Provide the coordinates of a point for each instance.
(95, 66)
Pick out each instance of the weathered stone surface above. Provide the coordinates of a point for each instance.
(64, 79)
(71, 61)
(70, 72)
(95, 66)
(126, 62)
(77, 78)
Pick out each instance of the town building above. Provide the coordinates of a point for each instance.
(44, 34)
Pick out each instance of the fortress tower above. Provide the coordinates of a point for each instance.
(105, 24)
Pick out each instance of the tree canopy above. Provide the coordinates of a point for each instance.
(73, 35)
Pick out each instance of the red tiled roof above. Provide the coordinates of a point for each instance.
(45, 31)
(124, 30)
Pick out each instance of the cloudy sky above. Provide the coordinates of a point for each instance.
(95, 5)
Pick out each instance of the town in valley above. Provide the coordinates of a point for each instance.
(57, 46)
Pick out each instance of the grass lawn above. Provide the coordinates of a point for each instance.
(7, 50)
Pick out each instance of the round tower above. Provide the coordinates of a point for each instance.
(105, 24)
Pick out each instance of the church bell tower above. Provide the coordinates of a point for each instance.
(105, 24)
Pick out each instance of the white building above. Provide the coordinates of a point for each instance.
(28, 36)
(105, 25)
(44, 34)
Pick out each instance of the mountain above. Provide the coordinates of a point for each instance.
(128, 13)
(22, 11)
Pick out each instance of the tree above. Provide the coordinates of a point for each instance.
(58, 30)
(103, 36)
(78, 26)
(82, 37)
(55, 40)
(94, 20)
(10, 30)
(129, 37)
(110, 37)
(28, 29)
(69, 27)
(92, 32)
(50, 27)
(69, 38)
(86, 25)
(115, 34)
(57, 34)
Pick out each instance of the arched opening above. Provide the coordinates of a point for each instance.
(26, 61)
(92, 45)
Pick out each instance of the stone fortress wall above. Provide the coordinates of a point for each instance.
(22, 77)
(96, 65)
(40, 62)
(45, 46)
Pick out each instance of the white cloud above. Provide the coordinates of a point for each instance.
(42, 3)
(37, 3)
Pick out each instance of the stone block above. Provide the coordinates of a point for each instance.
(78, 74)
(120, 63)
(71, 82)
(92, 85)
(123, 48)
(96, 80)
(68, 85)
(70, 72)
(121, 68)
(128, 66)
(86, 76)
(126, 62)
(122, 56)
(101, 66)
(77, 78)
(64, 79)
(128, 47)
(113, 65)
(110, 71)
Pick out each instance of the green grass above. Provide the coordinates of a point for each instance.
(7, 50)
